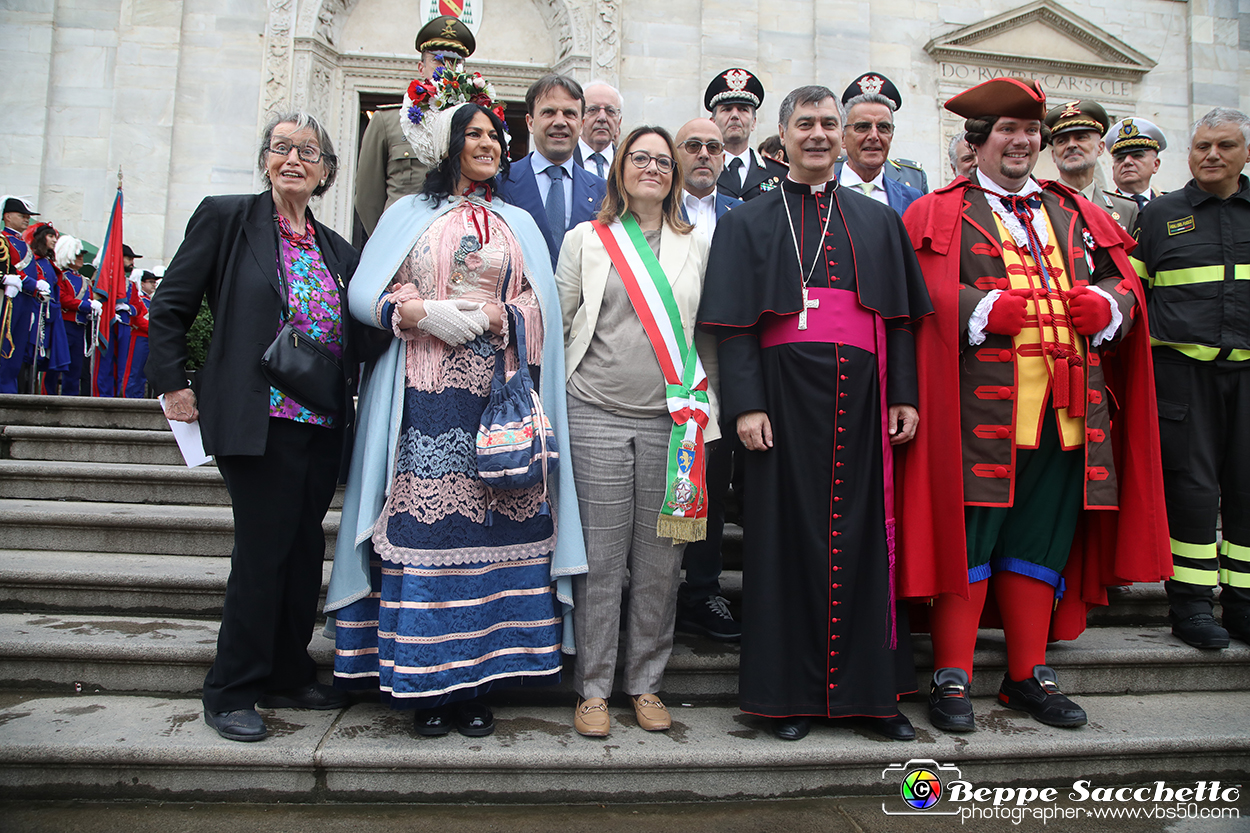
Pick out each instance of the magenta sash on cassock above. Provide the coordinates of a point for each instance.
(841, 319)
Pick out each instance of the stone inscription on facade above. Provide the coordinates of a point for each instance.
(1055, 84)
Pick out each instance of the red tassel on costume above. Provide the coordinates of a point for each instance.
(1076, 384)
(1060, 389)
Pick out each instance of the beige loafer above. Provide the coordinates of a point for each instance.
(590, 718)
(651, 713)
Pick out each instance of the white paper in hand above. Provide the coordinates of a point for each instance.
(190, 443)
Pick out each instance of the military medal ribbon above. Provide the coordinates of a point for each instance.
(683, 517)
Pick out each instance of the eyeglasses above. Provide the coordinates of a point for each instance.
(608, 110)
(642, 159)
(883, 127)
(694, 146)
(307, 153)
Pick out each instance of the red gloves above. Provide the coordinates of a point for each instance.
(1090, 311)
(1007, 315)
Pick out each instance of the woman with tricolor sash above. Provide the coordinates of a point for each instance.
(641, 409)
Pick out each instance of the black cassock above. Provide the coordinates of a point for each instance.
(817, 605)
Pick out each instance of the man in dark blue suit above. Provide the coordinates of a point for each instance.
(867, 137)
(700, 607)
(548, 183)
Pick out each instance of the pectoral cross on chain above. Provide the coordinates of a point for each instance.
(812, 304)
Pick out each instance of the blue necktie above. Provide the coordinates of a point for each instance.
(555, 201)
(1141, 201)
(600, 163)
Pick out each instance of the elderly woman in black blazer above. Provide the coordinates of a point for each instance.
(279, 457)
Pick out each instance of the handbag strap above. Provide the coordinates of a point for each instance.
(282, 280)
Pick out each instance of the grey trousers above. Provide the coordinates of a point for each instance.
(619, 465)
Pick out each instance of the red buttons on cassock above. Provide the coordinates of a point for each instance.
(837, 499)
(836, 568)
(828, 248)
(835, 586)
(836, 516)
(834, 604)
(841, 447)
(843, 378)
(836, 552)
(841, 413)
(835, 533)
(841, 394)
(840, 429)
(837, 482)
(838, 464)
(1000, 471)
(842, 358)
(833, 685)
(833, 653)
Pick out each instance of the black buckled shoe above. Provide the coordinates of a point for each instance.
(1199, 630)
(950, 708)
(895, 727)
(711, 618)
(474, 719)
(791, 728)
(312, 696)
(1040, 696)
(432, 723)
(241, 724)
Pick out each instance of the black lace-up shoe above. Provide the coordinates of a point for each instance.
(711, 618)
(950, 709)
(1040, 696)
(1199, 630)
(791, 728)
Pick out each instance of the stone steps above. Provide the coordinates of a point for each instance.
(124, 584)
(96, 445)
(171, 654)
(128, 747)
(82, 526)
(82, 412)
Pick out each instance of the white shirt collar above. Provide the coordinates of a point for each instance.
(848, 176)
(541, 163)
(1030, 186)
(608, 152)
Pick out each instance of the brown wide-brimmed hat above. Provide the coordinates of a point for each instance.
(1014, 98)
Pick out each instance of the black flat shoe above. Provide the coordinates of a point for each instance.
(896, 727)
(241, 724)
(432, 723)
(474, 719)
(791, 728)
(312, 696)
(1040, 696)
(950, 709)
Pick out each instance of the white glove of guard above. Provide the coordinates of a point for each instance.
(454, 322)
(42, 287)
(96, 306)
(122, 308)
(117, 319)
(12, 284)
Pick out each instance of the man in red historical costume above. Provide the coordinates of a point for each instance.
(1035, 473)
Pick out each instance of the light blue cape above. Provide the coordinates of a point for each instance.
(378, 415)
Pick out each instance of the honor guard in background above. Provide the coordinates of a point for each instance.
(1135, 145)
(1076, 129)
(733, 98)
(77, 307)
(387, 168)
(900, 170)
(20, 295)
(1194, 254)
(47, 350)
(1019, 491)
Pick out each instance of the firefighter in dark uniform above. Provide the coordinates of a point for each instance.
(733, 98)
(1194, 255)
(901, 170)
(387, 169)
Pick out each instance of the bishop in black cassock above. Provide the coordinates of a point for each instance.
(822, 635)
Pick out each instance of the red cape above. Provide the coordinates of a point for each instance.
(1109, 547)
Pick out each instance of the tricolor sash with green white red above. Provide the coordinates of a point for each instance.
(683, 517)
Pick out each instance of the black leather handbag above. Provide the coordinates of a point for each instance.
(300, 366)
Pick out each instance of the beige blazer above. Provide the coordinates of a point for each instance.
(582, 276)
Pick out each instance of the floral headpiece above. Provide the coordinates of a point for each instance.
(429, 105)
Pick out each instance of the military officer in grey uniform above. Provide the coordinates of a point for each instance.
(900, 170)
(1076, 129)
(387, 168)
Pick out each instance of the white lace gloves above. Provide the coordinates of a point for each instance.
(455, 322)
(12, 285)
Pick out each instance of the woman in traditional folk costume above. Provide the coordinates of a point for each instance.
(443, 587)
(639, 415)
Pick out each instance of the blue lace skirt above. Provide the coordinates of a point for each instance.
(463, 598)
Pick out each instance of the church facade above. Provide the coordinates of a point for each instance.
(175, 92)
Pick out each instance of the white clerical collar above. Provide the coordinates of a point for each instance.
(1030, 186)
(794, 186)
(541, 163)
(851, 178)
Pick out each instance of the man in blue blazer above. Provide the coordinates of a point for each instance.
(866, 138)
(556, 191)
